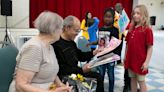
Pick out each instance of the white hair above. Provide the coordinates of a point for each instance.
(69, 21)
(48, 22)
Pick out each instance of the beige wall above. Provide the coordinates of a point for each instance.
(16, 33)
(20, 15)
(155, 8)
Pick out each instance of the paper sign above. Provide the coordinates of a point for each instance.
(123, 21)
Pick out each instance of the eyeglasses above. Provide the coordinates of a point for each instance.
(77, 30)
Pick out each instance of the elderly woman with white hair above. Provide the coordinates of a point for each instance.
(37, 66)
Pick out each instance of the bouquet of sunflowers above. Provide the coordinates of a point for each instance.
(81, 83)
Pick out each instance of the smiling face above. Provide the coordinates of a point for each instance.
(73, 31)
(102, 42)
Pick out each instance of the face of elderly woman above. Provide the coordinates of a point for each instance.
(56, 35)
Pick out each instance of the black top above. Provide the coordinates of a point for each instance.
(115, 33)
(68, 56)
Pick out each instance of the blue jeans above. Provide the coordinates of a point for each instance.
(110, 72)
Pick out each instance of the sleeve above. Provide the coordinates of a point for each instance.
(31, 58)
(149, 37)
(94, 27)
(63, 67)
(128, 26)
(82, 27)
(84, 56)
(95, 24)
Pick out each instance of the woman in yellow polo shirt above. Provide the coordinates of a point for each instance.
(84, 25)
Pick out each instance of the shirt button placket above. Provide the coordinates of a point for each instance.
(133, 34)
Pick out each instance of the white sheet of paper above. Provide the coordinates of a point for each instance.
(104, 60)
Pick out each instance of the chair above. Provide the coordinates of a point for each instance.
(7, 65)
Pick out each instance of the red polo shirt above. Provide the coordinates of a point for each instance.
(137, 42)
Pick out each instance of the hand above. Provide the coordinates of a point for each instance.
(96, 51)
(144, 67)
(70, 87)
(61, 85)
(86, 68)
(64, 88)
(61, 89)
(123, 62)
(64, 85)
(87, 45)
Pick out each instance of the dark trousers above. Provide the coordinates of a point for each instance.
(119, 49)
(119, 62)
(126, 78)
(100, 83)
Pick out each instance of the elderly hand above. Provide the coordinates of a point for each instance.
(63, 88)
(96, 51)
(86, 68)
